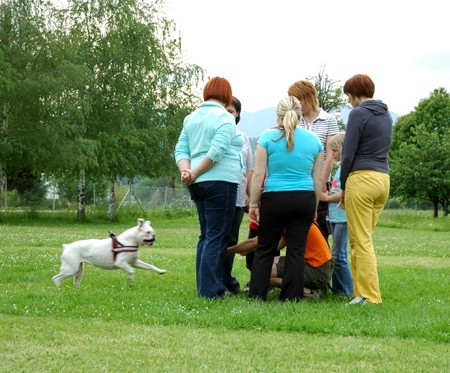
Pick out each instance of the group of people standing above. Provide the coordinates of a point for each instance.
(285, 189)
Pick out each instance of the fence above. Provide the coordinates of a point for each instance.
(153, 198)
(134, 196)
(141, 197)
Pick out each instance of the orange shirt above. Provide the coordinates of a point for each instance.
(317, 249)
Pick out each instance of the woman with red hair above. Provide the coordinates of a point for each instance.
(208, 155)
(365, 181)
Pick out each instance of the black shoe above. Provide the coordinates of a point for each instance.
(234, 289)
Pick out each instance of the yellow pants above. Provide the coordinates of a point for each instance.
(366, 193)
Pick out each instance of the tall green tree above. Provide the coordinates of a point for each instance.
(140, 81)
(39, 93)
(329, 91)
(420, 157)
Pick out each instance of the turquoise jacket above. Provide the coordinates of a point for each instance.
(210, 131)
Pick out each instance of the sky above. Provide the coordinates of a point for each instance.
(263, 46)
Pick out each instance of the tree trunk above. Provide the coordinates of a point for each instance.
(445, 206)
(435, 208)
(112, 198)
(6, 111)
(172, 187)
(81, 210)
(2, 181)
(172, 182)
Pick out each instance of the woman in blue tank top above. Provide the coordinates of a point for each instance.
(291, 159)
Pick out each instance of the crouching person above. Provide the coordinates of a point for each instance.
(318, 262)
(318, 265)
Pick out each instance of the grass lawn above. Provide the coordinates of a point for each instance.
(157, 323)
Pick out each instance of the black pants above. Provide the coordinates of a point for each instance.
(322, 219)
(250, 256)
(293, 211)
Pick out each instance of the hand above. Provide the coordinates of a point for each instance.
(186, 177)
(244, 253)
(324, 196)
(246, 207)
(253, 214)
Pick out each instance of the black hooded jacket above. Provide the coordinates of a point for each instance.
(368, 139)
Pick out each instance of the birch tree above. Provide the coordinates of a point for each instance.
(140, 75)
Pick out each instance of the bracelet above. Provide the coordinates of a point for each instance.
(253, 205)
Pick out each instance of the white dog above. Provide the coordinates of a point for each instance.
(110, 253)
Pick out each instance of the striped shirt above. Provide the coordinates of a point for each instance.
(325, 125)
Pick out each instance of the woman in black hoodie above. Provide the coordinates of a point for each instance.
(365, 181)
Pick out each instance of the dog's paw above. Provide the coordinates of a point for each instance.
(162, 271)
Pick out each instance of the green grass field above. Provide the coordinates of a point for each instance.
(157, 323)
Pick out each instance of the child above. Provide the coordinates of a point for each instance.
(342, 283)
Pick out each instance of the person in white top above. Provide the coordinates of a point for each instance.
(243, 192)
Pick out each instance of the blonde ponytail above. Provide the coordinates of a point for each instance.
(289, 110)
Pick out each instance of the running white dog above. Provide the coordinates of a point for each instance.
(119, 252)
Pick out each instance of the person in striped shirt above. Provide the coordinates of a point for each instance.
(324, 125)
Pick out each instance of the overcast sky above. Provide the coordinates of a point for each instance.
(262, 46)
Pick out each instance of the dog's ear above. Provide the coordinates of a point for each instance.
(141, 222)
(149, 222)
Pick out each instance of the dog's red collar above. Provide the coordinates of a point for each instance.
(118, 247)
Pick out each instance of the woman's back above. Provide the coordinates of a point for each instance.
(290, 169)
(210, 131)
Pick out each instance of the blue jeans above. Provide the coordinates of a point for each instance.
(341, 278)
(216, 203)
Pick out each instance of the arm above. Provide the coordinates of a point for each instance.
(183, 156)
(317, 176)
(327, 165)
(259, 172)
(249, 165)
(351, 142)
(204, 166)
(249, 175)
(184, 166)
(220, 143)
(187, 175)
(251, 245)
(281, 244)
(335, 197)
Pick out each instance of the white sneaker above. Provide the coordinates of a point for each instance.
(357, 300)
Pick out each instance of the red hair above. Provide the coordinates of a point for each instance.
(360, 85)
(219, 89)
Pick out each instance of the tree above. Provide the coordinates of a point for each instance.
(419, 157)
(140, 80)
(329, 92)
(39, 93)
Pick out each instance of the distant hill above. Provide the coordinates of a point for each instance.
(254, 123)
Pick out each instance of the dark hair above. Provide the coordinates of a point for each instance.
(360, 85)
(238, 107)
(219, 89)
